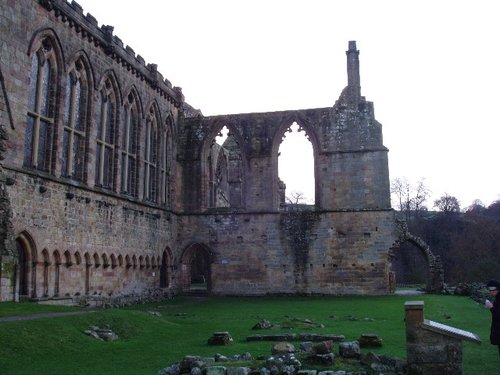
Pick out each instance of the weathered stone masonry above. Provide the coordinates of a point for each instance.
(151, 201)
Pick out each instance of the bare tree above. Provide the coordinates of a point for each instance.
(421, 194)
(411, 200)
(447, 204)
(400, 187)
(295, 197)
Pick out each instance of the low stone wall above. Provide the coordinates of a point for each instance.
(149, 296)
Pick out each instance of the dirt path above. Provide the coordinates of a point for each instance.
(192, 300)
(42, 315)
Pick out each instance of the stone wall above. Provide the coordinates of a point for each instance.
(214, 211)
(296, 252)
(8, 258)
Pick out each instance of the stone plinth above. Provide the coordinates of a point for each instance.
(433, 348)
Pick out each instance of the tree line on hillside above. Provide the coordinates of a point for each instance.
(467, 240)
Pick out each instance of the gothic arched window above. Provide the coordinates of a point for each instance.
(105, 150)
(151, 157)
(75, 124)
(129, 148)
(39, 142)
(164, 162)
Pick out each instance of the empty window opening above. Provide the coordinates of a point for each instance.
(296, 166)
(226, 171)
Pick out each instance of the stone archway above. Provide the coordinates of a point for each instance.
(435, 272)
(26, 266)
(196, 262)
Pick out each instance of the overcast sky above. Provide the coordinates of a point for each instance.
(431, 68)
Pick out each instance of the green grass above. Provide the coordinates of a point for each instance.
(148, 343)
(28, 308)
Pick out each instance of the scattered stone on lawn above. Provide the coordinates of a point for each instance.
(215, 370)
(349, 349)
(300, 336)
(220, 338)
(370, 340)
(321, 359)
(103, 334)
(307, 372)
(263, 324)
(368, 358)
(284, 364)
(323, 347)
(154, 313)
(283, 348)
(238, 370)
(170, 370)
(288, 364)
(307, 346)
(319, 337)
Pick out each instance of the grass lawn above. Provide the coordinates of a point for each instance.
(148, 342)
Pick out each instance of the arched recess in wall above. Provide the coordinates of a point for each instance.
(45, 272)
(223, 168)
(57, 269)
(298, 163)
(27, 261)
(88, 264)
(165, 268)
(196, 272)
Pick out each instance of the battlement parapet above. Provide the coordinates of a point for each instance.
(102, 37)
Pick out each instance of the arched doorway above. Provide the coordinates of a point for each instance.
(26, 267)
(434, 273)
(195, 268)
(23, 269)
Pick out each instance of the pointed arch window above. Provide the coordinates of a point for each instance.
(129, 148)
(74, 153)
(39, 142)
(105, 149)
(164, 168)
(151, 158)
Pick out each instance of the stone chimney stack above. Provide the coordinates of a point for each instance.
(353, 79)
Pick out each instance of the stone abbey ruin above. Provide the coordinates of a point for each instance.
(111, 184)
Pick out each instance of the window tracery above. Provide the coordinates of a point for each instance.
(105, 148)
(38, 145)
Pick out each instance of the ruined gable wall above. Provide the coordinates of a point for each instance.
(351, 165)
(339, 247)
